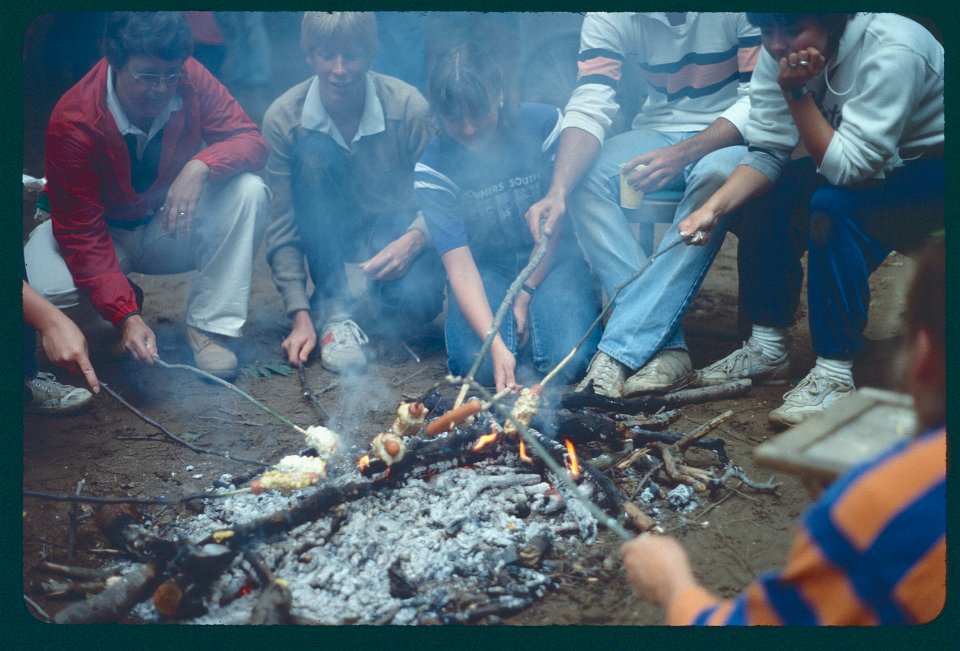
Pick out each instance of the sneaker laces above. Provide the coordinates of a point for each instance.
(813, 384)
(606, 370)
(50, 380)
(737, 360)
(348, 327)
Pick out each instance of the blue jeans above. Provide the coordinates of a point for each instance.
(560, 311)
(647, 314)
(849, 232)
(335, 231)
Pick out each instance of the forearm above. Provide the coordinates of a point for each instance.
(721, 133)
(38, 311)
(743, 185)
(576, 154)
(467, 287)
(815, 132)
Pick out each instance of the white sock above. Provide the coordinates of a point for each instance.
(838, 370)
(772, 341)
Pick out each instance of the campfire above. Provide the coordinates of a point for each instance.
(445, 518)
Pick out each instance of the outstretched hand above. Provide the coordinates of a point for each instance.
(658, 567)
(393, 260)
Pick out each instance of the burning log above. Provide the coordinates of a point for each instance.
(638, 518)
(81, 573)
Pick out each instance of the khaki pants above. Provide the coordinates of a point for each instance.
(228, 227)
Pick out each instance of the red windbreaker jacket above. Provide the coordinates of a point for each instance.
(88, 172)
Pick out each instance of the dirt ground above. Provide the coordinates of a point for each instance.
(117, 454)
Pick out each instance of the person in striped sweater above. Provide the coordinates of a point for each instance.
(872, 549)
(687, 137)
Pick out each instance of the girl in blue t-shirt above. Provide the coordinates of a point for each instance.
(475, 183)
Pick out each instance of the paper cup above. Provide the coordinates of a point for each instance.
(629, 198)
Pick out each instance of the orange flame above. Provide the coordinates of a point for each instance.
(484, 441)
(572, 463)
(523, 453)
(364, 462)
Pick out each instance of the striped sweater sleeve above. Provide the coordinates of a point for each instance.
(871, 551)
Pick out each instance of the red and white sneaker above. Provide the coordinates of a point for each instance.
(341, 347)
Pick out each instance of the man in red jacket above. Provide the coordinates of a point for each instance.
(149, 165)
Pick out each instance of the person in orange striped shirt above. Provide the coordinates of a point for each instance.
(872, 549)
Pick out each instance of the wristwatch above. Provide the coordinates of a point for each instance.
(798, 92)
(528, 289)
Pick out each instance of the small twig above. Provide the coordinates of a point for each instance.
(92, 499)
(72, 530)
(703, 430)
(173, 437)
(734, 472)
(234, 388)
(307, 393)
(37, 608)
(397, 383)
(248, 423)
(412, 352)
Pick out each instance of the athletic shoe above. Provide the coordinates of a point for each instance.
(748, 362)
(47, 396)
(211, 355)
(669, 369)
(341, 347)
(606, 374)
(813, 395)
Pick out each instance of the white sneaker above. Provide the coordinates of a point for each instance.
(606, 374)
(341, 347)
(748, 362)
(668, 369)
(47, 396)
(813, 395)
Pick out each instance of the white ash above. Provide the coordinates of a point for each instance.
(681, 499)
(453, 537)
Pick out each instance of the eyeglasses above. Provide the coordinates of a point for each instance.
(151, 80)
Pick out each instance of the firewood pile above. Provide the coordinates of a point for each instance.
(447, 518)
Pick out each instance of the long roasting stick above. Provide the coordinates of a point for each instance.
(501, 314)
(233, 388)
(606, 308)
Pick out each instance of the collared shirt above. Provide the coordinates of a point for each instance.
(316, 118)
(129, 128)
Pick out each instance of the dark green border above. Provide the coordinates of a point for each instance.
(21, 630)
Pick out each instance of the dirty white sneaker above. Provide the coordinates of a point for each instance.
(813, 395)
(668, 369)
(47, 396)
(211, 355)
(748, 362)
(341, 347)
(607, 375)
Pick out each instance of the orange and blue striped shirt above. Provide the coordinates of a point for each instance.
(871, 551)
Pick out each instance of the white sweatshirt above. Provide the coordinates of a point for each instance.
(882, 93)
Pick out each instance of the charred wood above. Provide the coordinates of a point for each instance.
(644, 437)
(273, 605)
(69, 571)
(115, 602)
(652, 403)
